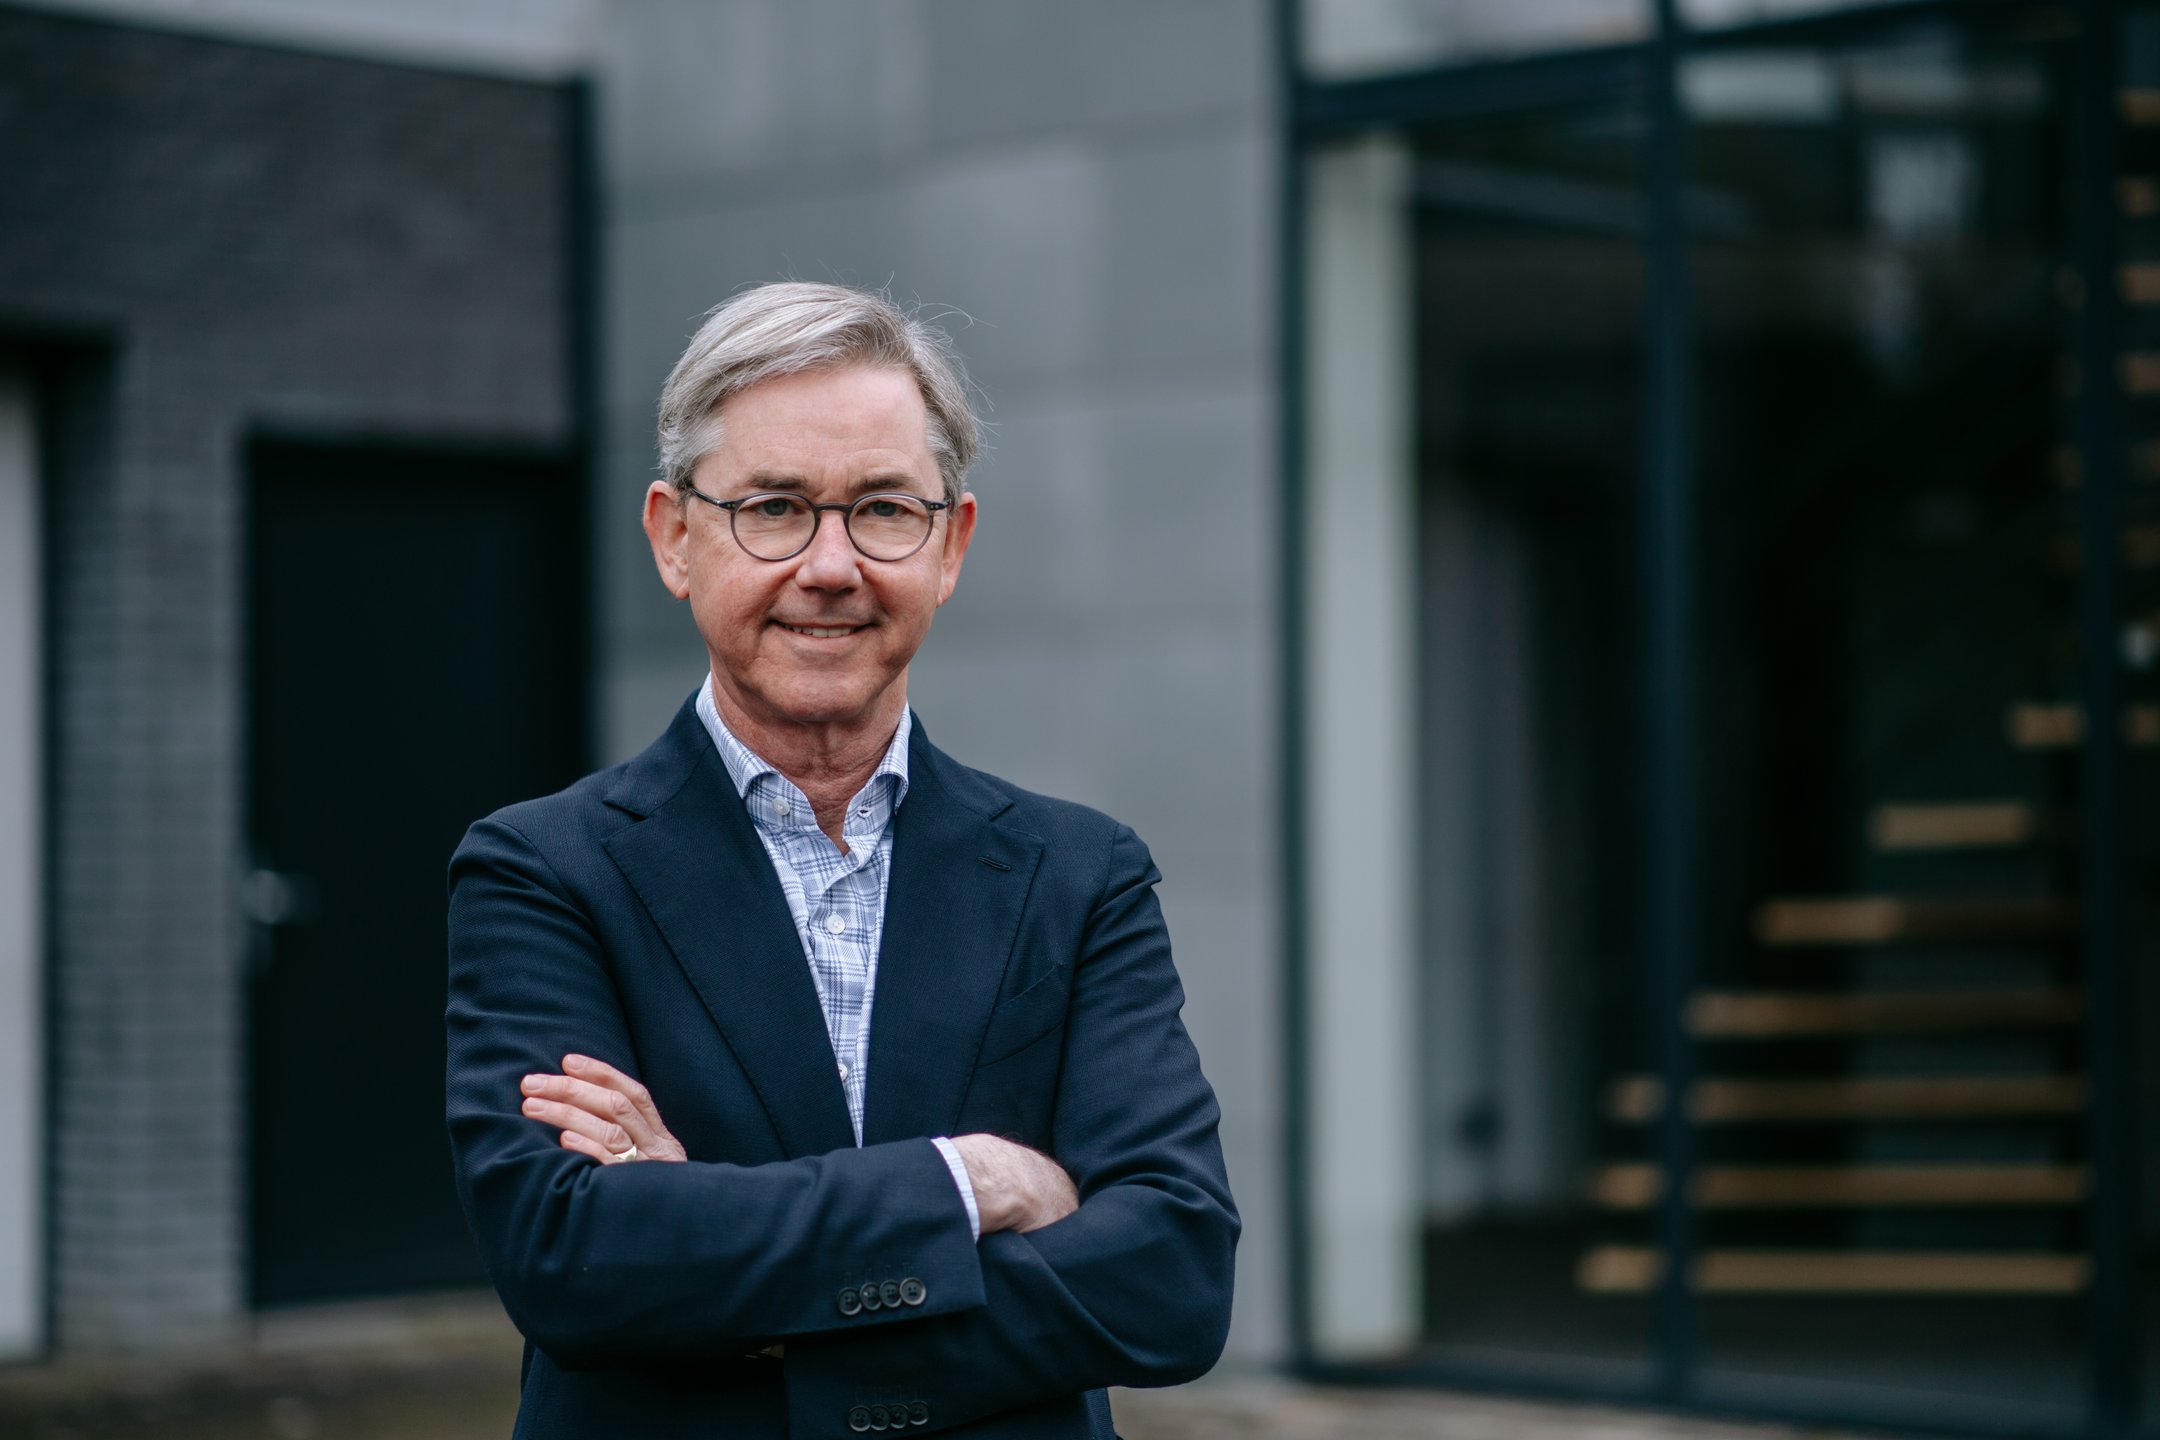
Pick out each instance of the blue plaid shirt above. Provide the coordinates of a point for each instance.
(837, 899)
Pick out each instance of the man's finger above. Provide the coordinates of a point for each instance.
(602, 1073)
(574, 1121)
(587, 1147)
(609, 1105)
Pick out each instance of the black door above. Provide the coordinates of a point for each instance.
(415, 621)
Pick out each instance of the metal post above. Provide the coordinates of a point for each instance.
(2097, 424)
(1290, 769)
(1668, 558)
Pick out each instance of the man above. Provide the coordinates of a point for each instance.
(803, 1081)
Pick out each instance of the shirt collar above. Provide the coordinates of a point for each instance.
(872, 806)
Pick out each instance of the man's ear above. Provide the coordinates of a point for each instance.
(959, 530)
(668, 529)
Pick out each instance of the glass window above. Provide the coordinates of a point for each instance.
(1893, 1095)
(1346, 39)
(1529, 382)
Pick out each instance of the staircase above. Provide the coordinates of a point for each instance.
(1856, 1119)
(1891, 1097)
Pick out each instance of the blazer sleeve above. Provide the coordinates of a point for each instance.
(1133, 1288)
(623, 1264)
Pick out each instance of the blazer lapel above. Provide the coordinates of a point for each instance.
(952, 910)
(698, 866)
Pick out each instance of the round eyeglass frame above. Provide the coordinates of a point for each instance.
(817, 518)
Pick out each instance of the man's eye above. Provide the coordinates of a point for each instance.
(775, 507)
(882, 509)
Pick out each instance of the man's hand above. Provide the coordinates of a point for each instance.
(1015, 1188)
(602, 1112)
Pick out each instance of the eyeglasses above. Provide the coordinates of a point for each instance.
(779, 525)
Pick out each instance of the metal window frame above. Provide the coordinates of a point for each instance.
(1313, 112)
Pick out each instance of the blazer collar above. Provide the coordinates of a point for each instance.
(952, 911)
(959, 883)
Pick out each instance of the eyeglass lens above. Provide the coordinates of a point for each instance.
(883, 527)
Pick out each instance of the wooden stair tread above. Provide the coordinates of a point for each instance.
(1772, 1014)
(1735, 1187)
(2045, 725)
(1628, 1269)
(2140, 543)
(2140, 106)
(1639, 1099)
(1959, 825)
(2141, 283)
(2144, 463)
(2138, 195)
(1879, 919)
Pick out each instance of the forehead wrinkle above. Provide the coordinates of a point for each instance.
(875, 482)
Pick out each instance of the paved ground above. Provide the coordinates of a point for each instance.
(448, 1371)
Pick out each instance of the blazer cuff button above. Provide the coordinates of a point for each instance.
(871, 1300)
(851, 1303)
(913, 1292)
(889, 1293)
(880, 1418)
(918, 1413)
(858, 1419)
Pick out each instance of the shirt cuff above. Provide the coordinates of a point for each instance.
(954, 1163)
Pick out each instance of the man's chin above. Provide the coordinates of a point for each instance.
(825, 707)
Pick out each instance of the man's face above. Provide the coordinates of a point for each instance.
(832, 436)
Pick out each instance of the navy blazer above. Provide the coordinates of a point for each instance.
(1024, 989)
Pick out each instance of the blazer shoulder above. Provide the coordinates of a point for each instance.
(1056, 822)
(575, 820)
(559, 825)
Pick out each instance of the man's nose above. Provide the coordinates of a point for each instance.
(831, 562)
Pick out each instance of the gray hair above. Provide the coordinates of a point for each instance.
(793, 326)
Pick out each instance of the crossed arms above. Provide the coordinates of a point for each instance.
(604, 1114)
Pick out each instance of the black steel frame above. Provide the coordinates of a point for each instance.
(1313, 112)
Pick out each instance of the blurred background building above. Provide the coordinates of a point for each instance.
(1611, 547)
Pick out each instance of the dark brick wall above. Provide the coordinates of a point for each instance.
(257, 238)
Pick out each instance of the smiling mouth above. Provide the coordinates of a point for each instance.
(820, 632)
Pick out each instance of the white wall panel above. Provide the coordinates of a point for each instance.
(22, 820)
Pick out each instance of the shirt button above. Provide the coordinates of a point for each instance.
(834, 924)
(843, 1069)
(780, 807)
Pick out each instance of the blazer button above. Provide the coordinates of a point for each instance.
(912, 1291)
(858, 1419)
(889, 1293)
(851, 1301)
(918, 1413)
(880, 1418)
(871, 1299)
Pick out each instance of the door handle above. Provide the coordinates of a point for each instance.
(279, 897)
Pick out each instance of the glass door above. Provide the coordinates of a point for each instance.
(1472, 489)
(1892, 1169)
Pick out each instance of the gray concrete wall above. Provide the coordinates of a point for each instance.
(252, 237)
(1092, 185)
